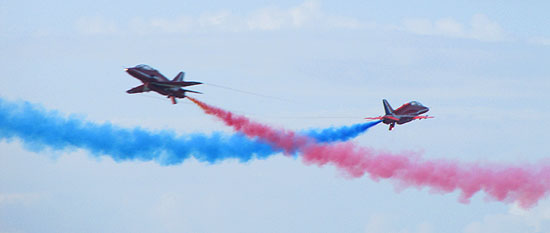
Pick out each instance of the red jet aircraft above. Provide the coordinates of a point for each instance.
(406, 113)
(155, 81)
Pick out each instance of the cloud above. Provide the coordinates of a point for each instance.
(384, 224)
(18, 198)
(307, 14)
(95, 26)
(348, 23)
(516, 220)
(267, 19)
(215, 19)
(533, 217)
(545, 41)
(485, 29)
(179, 24)
(480, 28)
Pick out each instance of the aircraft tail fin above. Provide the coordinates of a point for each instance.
(387, 107)
(179, 77)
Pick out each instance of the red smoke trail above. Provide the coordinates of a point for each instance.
(283, 139)
(525, 184)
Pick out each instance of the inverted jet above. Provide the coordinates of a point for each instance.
(154, 81)
(406, 113)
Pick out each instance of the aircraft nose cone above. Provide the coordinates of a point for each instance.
(130, 71)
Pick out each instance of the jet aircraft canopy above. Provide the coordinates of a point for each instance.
(145, 67)
(416, 103)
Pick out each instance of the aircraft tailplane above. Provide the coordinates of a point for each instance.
(387, 107)
(191, 91)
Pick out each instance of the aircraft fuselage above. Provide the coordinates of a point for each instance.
(404, 114)
(154, 81)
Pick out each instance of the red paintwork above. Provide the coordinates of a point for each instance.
(154, 81)
(404, 114)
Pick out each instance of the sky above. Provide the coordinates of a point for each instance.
(481, 66)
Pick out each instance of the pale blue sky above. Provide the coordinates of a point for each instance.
(482, 67)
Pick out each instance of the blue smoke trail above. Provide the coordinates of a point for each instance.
(343, 133)
(39, 129)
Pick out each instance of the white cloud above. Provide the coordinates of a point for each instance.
(480, 28)
(540, 41)
(267, 19)
(179, 24)
(272, 18)
(95, 26)
(384, 224)
(305, 15)
(214, 19)
(18, 198)
(445, 26)
(308, 14)
(449, 26)
(485, 29)
(516, 220)
(533, 217)
(343, 22)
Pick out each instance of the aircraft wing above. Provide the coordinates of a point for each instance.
(422, 117)
(177, 84)
(391, 118)
(144, 79)
(383, 117)
(138, 89)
